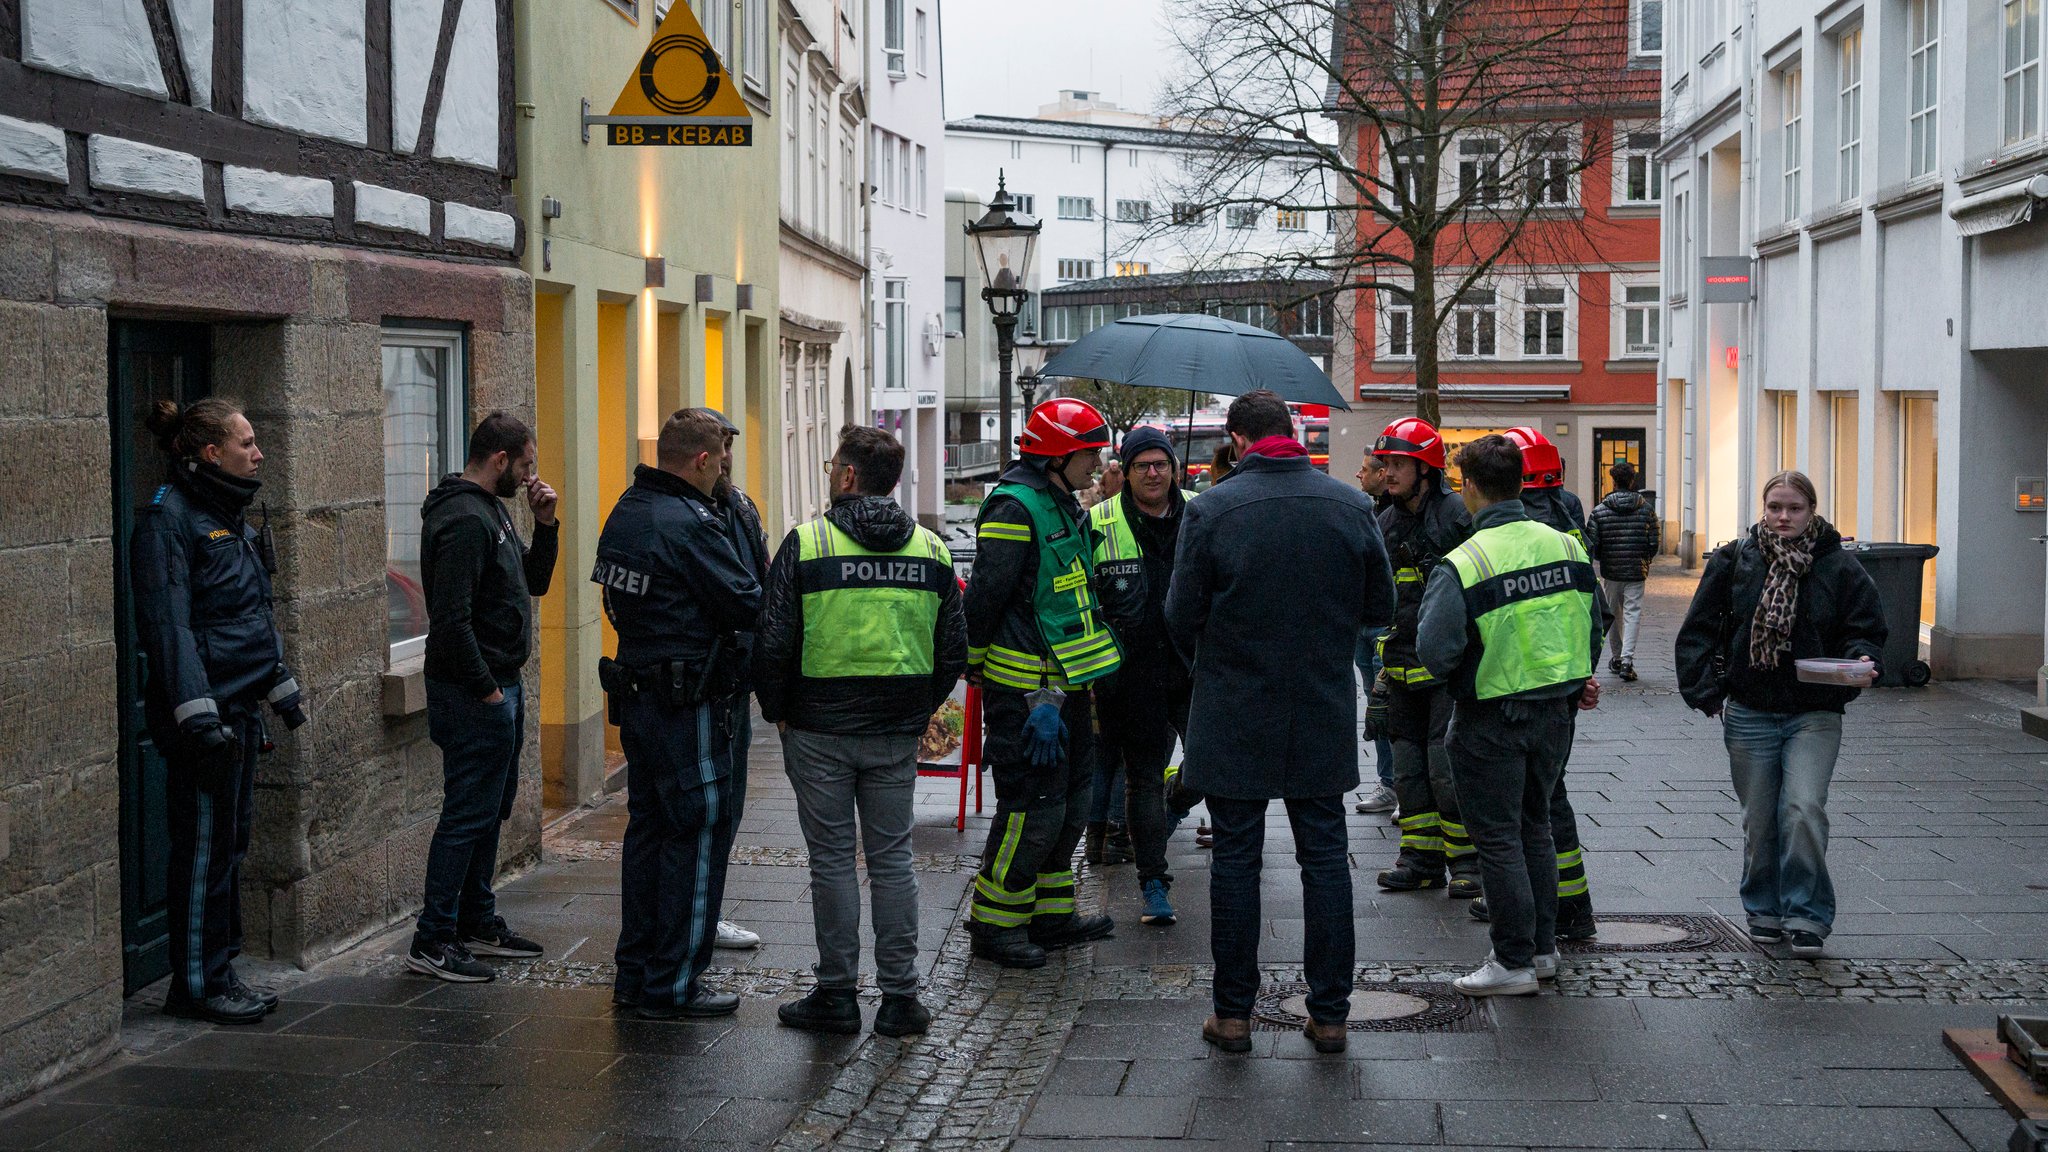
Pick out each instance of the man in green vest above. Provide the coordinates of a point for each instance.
(1508, 621)
(1036, 644)
(861, 640)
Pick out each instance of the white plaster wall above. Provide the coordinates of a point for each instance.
(126, 166)
(193, 20)
(276, 194)
(467, 129)
(302, 67)
(478, 226)
(1782, 313)
(33, 150)
(415, 28)
(104, 40)
(394, 210)
(1918, 350)
(1842, 346)
(2005, 298)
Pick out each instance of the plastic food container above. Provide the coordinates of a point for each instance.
(1847, 673)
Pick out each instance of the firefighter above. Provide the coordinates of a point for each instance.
(1421, 520)
(1544, 495)
(1036, 643)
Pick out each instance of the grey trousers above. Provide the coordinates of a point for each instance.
(836, 777)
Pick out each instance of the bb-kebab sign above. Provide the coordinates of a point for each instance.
(680, 95)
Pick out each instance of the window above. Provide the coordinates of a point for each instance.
(904, 167)
(1312, 317)
(814, 159)
(1016, 149)
(630, 9)
(1077, 207)
(1479, 170)
(755, 61)
(1787, 412)
(1681, 244)
(1133, 211)
(1791, 94)
(1400, 326)
(1543, 322)
(1133, 268)
(896, 333)
(892, 36)
(849, 198)
(1472, 323)
(886, 145)
(1025, 203)
(2021, 85)
(1077, 270)
(1407, 161)
(1291, 220)
(793, 194)
(923, 43)
(423, 439)
(920, 198)
(1923, 84)
(1641, 320)
(1241, 217)
(1073, 153)
(1642, 178)
(1550, 170)
(1188, 214)
(1059, 324)
(716, 18)
(956, 305)
(1844, 461)
(1849, 116)
(1646, 26)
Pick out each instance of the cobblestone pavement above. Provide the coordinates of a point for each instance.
(1939, 810)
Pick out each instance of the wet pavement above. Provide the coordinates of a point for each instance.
(1672, 1032)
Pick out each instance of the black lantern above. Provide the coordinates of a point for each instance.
(1004, 242)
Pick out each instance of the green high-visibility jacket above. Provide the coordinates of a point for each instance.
(869, 613)
(1078, 647)
(1529, 602)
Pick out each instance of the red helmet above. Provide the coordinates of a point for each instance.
(1542, 466)
(1062, 426)
(1411, 436)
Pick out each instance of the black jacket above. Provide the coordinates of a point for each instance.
(1557, 508)
(675, 580)
(1278, 571)
(202, 600)
(899, 705)
(743, 527)
(1417, 541)
(999, 601)
(1152, 675)
(480, 581)
(1624, 537)
(1839, 616)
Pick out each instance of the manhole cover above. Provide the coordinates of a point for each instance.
(1408, 1006)
(1662, 933)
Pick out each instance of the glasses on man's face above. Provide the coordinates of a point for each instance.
(1153, 467)
(830, 465)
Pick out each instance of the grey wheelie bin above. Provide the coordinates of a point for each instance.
(1898, 570)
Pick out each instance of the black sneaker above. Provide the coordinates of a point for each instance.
(1627, 670)
(494, 939)
(1763, 935)
(263, 996)
(447, 960)
(902, 1016)
(1805, 943)
(824, 1010)
(230, 1007)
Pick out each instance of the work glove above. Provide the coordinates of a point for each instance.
(1377, 702)
(1045, 735)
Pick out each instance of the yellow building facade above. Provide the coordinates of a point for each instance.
(655, 288)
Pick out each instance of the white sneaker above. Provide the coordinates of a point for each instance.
(1380, 799)
(731, 935)
(1492, 979)
(1546, 966)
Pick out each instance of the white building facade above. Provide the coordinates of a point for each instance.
(1875, 168)
(906, 242)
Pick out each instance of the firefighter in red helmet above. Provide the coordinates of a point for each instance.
(1544, 495)
(1422, 521)
(1037, 642)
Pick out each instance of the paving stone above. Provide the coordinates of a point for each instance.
(1826, 1129)
(1349, 1121)
(1120, 1117)
(1568, 1125)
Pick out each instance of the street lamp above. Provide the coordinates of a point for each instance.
(1004, 240)
(1030, 357)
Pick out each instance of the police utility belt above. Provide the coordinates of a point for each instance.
(676, 683)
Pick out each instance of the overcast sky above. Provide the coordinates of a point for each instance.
(1005, 58)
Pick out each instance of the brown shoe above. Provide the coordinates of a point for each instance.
(1230, 1035)
(1327, 1037)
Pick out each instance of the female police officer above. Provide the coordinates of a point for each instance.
(201, 579)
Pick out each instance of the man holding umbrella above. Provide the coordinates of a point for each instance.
(1035, 643)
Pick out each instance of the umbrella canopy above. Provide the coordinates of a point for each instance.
(1196, 354)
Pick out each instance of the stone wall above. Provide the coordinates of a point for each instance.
(345, 806)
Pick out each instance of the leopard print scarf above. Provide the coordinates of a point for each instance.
(1770, 631)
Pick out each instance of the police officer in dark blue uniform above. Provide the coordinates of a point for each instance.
(201, 578)
(684, 601)
(750, 540)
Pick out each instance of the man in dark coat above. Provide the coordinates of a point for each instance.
(1254, 555)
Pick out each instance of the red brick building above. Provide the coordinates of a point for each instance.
(1564, 330)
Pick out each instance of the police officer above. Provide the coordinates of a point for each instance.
(1509, 622)
(201, 578)
(1035, 644)
(743, 525)
(1421, 521)
(678, 592)
(1145, 709)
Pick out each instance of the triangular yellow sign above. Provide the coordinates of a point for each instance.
(680, 91)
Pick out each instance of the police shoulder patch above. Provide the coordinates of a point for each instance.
(161, 491)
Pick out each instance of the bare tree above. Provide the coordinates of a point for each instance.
(1463, 128)
(1123, 405)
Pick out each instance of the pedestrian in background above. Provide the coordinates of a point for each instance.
(680, 591)
(1274, 712)
(1784, 591)
(1623, 538)
(1372, 480)
(480, 581)
(743, 527)
(1509, 622)
(201, 579)
(861, 640)
(1107, 485)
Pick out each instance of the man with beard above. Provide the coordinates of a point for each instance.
(480, 582)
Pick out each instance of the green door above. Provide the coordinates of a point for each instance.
(148, 360)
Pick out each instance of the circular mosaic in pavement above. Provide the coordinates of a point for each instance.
(1635, 934)
(1365, 1005)
(1404, 1006)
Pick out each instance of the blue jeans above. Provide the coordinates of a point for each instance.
(1781, 764)
(480, 746)
(1329, 947)
(1367, 657)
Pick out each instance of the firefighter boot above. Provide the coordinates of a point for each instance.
(1413, 871)
(1052, 933)
(1575, 918)
(1008, 947)
(1465, 877)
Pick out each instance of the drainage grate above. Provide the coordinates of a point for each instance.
(1395, 1006)
(1662, 933)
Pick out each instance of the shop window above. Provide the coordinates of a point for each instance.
(424, 424)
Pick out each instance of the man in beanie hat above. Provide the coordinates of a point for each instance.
(1137, 532)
